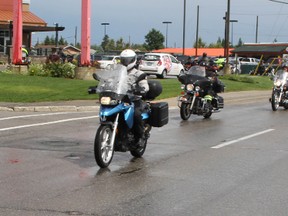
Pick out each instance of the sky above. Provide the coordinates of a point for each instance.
(133, 19)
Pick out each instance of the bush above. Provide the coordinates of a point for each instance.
(58, 69)
(37, 70)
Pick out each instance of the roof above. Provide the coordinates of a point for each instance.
(192, 51)
(275, 48)
(28, 18)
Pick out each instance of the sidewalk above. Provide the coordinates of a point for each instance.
(92, 105)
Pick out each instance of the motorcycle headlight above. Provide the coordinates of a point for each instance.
(182, 87)
(190, 87)
(277, 83)
(105, 100)
(197, 88)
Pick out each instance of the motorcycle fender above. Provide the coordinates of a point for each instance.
(185, 99)
(107, 123)
(129, 116)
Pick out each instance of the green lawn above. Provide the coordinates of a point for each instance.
(20, 88)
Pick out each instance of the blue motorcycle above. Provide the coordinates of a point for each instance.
(116, 91)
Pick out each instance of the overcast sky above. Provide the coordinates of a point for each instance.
(133, 19)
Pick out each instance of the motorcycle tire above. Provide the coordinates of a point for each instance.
(207, 115)
(139, 151)
(103, 149)
(185, 112)
(275, 101)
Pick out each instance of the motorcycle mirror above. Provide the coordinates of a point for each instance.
(95, 76)
(141, 77)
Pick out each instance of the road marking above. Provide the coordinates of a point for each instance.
(242, 138)
(47, 123)
(35, 115)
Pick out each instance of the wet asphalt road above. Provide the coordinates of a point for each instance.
(232, 164)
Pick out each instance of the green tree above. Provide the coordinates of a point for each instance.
(62, 41)
(47, 40)
(105, 43)
(154, 40)
(110, 45)
(200, 44)
(240, 43)
(120, 44)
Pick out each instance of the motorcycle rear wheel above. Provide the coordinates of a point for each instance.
(275, 101)
(103, 149)
(139, 151)
(185, 112)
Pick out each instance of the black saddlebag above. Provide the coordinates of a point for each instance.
(159, 114)
(218, 102)
(218, 86)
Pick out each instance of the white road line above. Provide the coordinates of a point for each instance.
(47, 123)
(35, 115)
(242, 138)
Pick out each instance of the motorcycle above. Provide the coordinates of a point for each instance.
(200, 93)
(116, 95)
(279, 92)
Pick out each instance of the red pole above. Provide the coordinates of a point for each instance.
(17, 32)
(85, 33)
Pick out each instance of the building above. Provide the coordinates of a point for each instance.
(192, 51)
(264, 50)
(31, 23)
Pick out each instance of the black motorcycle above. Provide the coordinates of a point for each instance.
(279, 92)
(200, 93)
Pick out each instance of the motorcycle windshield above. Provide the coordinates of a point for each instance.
(115, 80)
(281, 75)
(197, 71)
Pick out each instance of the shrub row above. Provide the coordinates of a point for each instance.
(56, 69)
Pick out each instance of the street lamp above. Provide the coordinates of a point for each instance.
(232, 21)
(166, 22)
(105, 24)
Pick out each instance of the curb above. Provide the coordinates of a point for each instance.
(243, 97)
(49, 108)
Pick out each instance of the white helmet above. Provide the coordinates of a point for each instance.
(128, 58)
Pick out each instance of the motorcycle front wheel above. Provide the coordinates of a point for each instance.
(185, 112)
(103, 148)
(275, 101)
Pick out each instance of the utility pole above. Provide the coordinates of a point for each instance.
(256, 38)
(197, 31)
(227, 24)
(184, 24)
(56, 37)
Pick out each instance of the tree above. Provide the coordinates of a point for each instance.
(240, 43)
(154, 40)
(62, 41)
(200, 44)
(105, 43)
(47, 40)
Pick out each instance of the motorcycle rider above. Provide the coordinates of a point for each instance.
(128, 58)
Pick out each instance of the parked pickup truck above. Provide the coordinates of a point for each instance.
(249, 61)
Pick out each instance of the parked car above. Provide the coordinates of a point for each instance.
(161, 65)
(249, 61)
(108, 61)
